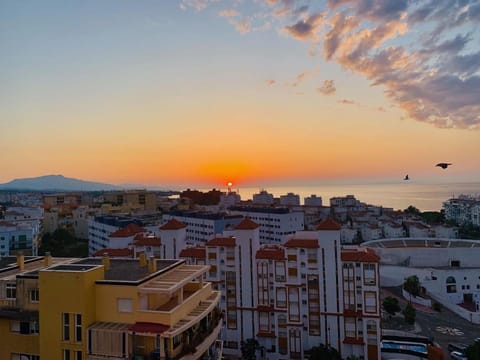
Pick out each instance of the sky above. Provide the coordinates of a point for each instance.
(256, 92)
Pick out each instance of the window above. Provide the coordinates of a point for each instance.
(34, 296)
(451, 285)
(78, 327)
(350, 327)
(369, 274)
(66, 327)
(281, 298)
(24, 357)
(11, 291)
(370, 302)
(78, 355)
(124, 305)
(66, 354)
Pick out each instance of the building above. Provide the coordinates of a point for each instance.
(463, 210)
(263, 198)
(290, 199)
(276, 223)
(300, 294)
(106, 308)
(21, 237)
(202, 226)
(143, 199)
(313, 200)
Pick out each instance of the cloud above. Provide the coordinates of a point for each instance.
(305, 29)
(424, 54)
(301, 78)
(346, 102)
(228, 13)
(328, 88)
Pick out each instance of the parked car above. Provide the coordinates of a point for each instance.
(459, 347)
(457, 355)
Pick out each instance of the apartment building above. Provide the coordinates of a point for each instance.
(463, 210)
(106, 308)
(146, 200)
(276, 224)
(202, 226)
(294, 296)
(19, 237)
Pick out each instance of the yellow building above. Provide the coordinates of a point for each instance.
(107, 308)
(146, 200)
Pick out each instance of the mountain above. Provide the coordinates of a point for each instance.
(56, 183)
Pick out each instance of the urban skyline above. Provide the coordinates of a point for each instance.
(205, 92)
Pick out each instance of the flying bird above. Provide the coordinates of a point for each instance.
(406, 177)
(443, 165)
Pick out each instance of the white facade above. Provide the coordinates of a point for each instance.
(313, 200)
(393, 230)
(22, 236)
(263, 198)
(462, 210)
(290, 199)
(276, 224)
(228, 199)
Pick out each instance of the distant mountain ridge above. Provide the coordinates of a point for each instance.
(56, 183)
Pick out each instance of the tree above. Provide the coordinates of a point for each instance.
(323, 352)
(249, 348)
(412, 210)
(409, 313)
(412, 285)
(473, 351)
(390, 305)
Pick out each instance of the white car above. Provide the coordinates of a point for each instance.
(457, 355)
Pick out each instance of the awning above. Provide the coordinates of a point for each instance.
(150, 328)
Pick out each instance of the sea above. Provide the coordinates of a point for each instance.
(425, 197)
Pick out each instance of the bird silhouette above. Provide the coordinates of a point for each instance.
(406, 177)
(443, 165)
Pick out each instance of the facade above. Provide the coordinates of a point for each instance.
(298, 295)
(290, 199)
(19, 237)
(202, 226)
(463, 210)
(263, 198)
(313, 200)
(143, 199)
(276, 224)
(103, 308)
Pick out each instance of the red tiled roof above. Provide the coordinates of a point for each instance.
(302, 243)
(271, 252)
(127, 231)
(173, 224)
(194, 252)
(247, 224)
(222, 241)
(360, 255)
(115, 252)
(329, 224)
(150, 328)
(146, 240)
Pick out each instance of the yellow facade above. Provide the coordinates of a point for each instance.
(108, 309)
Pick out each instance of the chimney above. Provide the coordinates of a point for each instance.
(152, 265)
(48, 260)
(143, 259)
(20, 260)
(106, 261)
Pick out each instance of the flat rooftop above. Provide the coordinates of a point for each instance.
(126, 270)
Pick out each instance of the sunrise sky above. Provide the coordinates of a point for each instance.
(201, 92)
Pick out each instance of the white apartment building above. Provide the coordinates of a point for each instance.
(263, 198)
(290, 199)
(202, 226)
(19, 237)
(296, 296)
(313, 200)
(276, 224)
(393, 230)
(463, 210)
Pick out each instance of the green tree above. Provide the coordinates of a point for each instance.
(409, 314)
(323, 352)
(390, 305)
(473, 351)
(412, 285)
(249, 348)
(412, 210)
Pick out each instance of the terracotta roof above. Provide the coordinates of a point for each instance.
(329, 224)
(360, 255)
(247, 224)
(173, 224)
(115, 252)
(271, 252)
(150, 328)
(194, 252)
(146, 240)
(127, 231)
(222, 241)
(302, 243)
